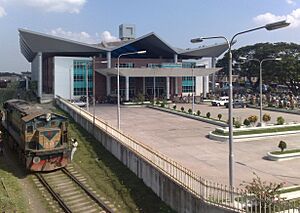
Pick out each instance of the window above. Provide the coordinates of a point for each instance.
(126, 65)
(80, 84)
(188, 84)
(29, 129)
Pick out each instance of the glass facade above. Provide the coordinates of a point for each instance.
(188, 84)
(79, 77)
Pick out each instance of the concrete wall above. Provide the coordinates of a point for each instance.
(63, 79)
(169, 191)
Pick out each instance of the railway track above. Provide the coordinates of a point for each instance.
(71, 194)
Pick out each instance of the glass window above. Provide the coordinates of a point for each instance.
(29, 129)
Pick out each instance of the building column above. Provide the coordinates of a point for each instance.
(108, 78)
(176, 86)
(175, 58)
(199, 85)
(144, 86)
(108, 85)
(205, 86)
(168, 87)
(40, 73)
(213, 65)
(126, 88)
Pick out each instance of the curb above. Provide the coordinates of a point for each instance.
(283, 157)
(217, 123)
(241, 138)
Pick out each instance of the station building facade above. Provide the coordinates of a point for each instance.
(64, 67)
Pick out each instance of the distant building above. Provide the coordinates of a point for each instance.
(9, 77)
(60, 66)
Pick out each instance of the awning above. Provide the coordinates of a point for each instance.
(158, 72)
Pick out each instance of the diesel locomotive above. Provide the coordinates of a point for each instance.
(39, 136)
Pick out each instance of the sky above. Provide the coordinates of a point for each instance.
(175, 21)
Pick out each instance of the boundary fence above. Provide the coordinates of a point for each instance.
(234, 199)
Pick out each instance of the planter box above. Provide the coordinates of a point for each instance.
(282, 157)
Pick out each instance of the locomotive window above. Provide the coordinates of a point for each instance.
(30, 129)
(40, 124)
(53, 124)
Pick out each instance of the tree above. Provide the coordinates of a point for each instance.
(280, 120)
(252, 119)
(198, 112)
(286, 72)
(174, 107)
(282, 145)
(208, 115)
(219, 116)
(266, 117)
(182, 109)
(266, 194)
(246, 122)
(190, 111)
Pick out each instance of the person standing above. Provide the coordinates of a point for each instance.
(74, 147)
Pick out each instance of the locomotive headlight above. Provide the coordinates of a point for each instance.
(36, 160)
(48, 117)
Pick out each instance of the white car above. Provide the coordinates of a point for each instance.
(79, 103)
(221, 102)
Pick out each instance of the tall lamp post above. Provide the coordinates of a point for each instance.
(272, 26)
(260, 81)
(118, 82)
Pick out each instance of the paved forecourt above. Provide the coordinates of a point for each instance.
(185, 140)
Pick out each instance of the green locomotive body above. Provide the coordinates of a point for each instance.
(39, 136)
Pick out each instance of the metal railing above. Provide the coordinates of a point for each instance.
(210, 192)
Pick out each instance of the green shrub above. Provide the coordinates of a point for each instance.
(162, 105)
(198, 112)
(282, 145)
(237, 124)
(208, 115)
(190, 111)
(182, 109)
(246, 122)
(219, 116)
(266, 117)
(174, 107)
(270, 105)
(280, 120)
(157, 102)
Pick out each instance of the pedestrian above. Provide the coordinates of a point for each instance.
(74, 147)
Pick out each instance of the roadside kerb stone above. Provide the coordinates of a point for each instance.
(281, 157)
(214, 122)
(241, 138)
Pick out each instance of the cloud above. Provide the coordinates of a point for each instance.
(77, 36)
(70, 6)
(83, 36)
(292, 2)
(293, 18)
(107, 37)
(2, 12)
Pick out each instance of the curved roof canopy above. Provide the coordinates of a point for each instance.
(32, 42)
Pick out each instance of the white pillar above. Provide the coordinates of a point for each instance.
(175, 58)
(127, 88)
(213, 65)
(199, 85)
(205, 86)
(144, 85)
(40, 73)
(168, 87)
(108, 58)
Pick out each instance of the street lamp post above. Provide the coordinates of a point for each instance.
(260, 81)
(118, 83)
(271, 26)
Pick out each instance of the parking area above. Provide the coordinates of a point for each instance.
(185, 140)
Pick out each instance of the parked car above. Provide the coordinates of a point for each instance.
(237, 104)
(221, 101)
(78, 103)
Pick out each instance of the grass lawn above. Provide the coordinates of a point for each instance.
(260, 131)
(11, 194)
(109, 177)
(288, 151)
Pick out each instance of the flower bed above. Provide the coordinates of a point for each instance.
(285, 155)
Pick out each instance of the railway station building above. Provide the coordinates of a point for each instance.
(65, 67)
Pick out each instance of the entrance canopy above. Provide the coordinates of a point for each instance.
(158, 72)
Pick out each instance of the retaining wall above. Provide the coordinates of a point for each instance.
(176, 196)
